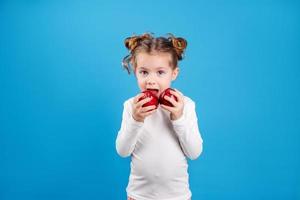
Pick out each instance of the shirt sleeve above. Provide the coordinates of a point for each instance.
(187, 130)
(128, 133)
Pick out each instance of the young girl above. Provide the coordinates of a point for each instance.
(158, 139)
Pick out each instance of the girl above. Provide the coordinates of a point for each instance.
(158, 139)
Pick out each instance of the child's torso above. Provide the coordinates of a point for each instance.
(158, 162)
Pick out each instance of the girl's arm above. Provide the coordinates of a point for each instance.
(186, 128)
(128, 133)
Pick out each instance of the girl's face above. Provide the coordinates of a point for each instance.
(154, 71)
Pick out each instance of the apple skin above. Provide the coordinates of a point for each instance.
(154, 101)
(162, 99)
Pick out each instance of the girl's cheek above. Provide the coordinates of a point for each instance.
(141, 82)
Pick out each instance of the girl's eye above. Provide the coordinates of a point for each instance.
(161, 72)
(143, 72)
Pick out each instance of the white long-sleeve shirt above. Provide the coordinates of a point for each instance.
(158, 148)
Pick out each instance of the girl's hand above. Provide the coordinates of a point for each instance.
(176, 111)
(139, 113)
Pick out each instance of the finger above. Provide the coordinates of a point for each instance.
(177, 95)
(172, 100)
(143, 101)
(137, 97)
(149, 113)
(168, 108)
(147, 109)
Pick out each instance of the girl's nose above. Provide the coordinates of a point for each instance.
(151, 82)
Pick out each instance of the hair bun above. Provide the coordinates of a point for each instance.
(179, 43)
(132, 42)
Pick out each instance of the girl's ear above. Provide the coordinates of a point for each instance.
(175, 73)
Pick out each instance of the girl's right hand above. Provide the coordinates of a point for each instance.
(139, 113)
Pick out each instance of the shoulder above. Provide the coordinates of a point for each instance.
(128, 103)
(189, 105)
(188, 101)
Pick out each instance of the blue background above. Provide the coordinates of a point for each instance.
(63, 88)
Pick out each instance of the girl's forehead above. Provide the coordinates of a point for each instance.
(156, 60)
(162, 55)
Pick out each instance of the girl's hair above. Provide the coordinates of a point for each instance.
(148, 44)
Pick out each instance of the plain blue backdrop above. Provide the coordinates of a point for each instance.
(63, 88)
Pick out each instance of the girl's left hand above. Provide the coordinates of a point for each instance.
(176, 111)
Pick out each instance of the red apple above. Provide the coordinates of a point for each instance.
(154, 100)
(162, 99)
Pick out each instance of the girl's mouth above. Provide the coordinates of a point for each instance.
(154, 91)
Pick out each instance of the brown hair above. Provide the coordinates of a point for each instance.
(149, 44)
